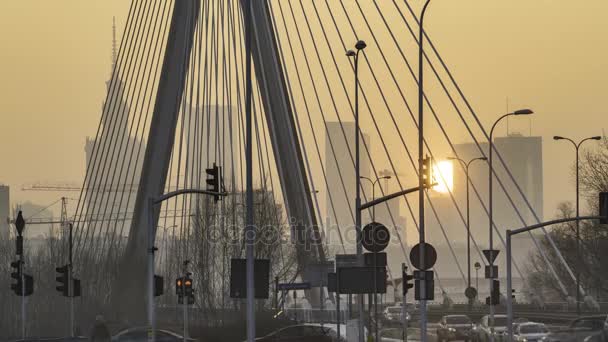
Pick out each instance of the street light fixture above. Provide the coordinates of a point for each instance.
(490, 209)
(360, 45)
(373, 183)
(466, 169)
(578, 232)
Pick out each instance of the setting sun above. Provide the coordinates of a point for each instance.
(443, 174)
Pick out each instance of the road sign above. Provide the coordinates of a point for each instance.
(238, 275)
(375, 237)
(293, 286)
(360, 280)
(316, 273)
(430, 256)
(424, 279)
(20, 223)
(491, 254)
(470, 292)
(491, 272)
(346, 260)
(369, 259)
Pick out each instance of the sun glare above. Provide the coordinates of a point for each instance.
(443, 174)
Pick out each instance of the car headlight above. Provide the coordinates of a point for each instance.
(451, 330)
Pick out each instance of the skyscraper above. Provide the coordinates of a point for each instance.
(340, 173)
(4, 211)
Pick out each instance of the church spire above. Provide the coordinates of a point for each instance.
(114, 49)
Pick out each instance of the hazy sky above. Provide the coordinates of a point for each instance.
(551, 55)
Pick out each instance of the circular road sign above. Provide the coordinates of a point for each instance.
(375, 237)
(470, 292)
(430, 256)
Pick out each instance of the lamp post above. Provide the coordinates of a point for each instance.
(490, 211)
(373, 183)
(359, 46)
(477, 268)
(466, 170)
(578, 232)
(421, 165)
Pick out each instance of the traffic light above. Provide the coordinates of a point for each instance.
(213, 180)
(16, 287)
(604, 207)
(188, 287)
(406, 280)
(179, 287)
(159, 285)
(494, 298)
(29, 285)
(427, 172)
(63, 279)
(513, 294)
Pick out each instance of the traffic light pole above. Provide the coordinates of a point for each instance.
(23, 314)
(510, 234)
(152, 203)
(71, 282)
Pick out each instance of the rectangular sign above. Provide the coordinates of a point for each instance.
(379, 258)
(238, 276)
(357, 280)
(293, 286)
(491, 272)
(346, 260)
(316, 273)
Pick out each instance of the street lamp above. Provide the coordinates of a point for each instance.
(477, 268)
(373, 183)
(490, 211)
(359, 46)
(421, 234)
(466, 169)
(578, 233)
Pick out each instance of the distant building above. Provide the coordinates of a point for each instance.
(523, 156)
(5, 208)
(340, 174)
(114, 160)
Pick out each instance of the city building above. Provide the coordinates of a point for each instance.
(340, 192)
(523, 156)
(5, 208)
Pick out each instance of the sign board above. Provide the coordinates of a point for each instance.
(378, 258)
(238, 278)
(375, 237)
(316, 273)
(346, 260)
(491, 254)
(359, 280)
(430, 256)
(491, 272)
(293, 286)
(470, 292)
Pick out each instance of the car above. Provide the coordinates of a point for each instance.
(585, 328)
(483, 331)
(530, 332)
(392, 314)
(140, 334)
(304, 333)
(454, 327)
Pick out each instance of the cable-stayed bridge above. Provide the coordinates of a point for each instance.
(176, 104)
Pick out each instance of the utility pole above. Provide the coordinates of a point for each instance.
(185, 298)
(71, 279)
(20, 226)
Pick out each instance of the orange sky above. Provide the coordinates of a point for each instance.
(551, 55)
